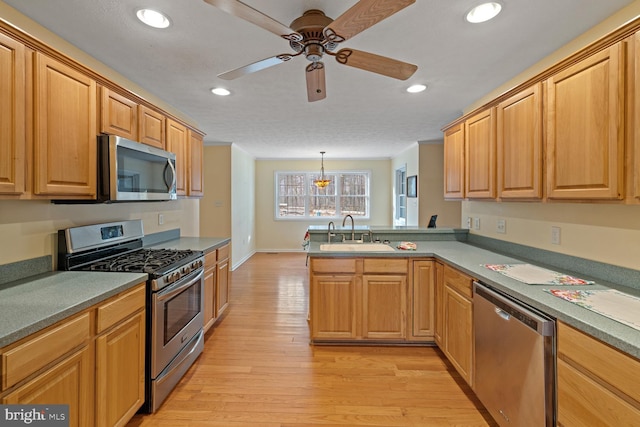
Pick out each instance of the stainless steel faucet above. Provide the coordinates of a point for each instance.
(329, 233)
(353, 229)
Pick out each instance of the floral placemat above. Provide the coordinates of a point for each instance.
(616, 305)
(534, 275)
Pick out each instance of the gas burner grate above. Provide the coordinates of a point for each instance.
(143, 260)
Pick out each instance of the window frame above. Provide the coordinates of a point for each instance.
(308, 182)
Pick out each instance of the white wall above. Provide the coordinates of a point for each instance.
(408, 157)
(431, 187)
(287, 235)
(243, 206)
(28, 228)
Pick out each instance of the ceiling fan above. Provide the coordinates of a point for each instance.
(314, 34)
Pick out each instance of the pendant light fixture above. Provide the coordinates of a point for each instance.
(322, 182)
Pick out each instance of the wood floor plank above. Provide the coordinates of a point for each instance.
(258, 368)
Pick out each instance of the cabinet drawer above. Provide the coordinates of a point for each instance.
(385, 265)
(333, 265)
(34, 354)
(210, 259)
(120, 308)
(582, 401)
(223, 252)
(458, 281)
(602, 361)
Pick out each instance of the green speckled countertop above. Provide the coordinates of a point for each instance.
(32, 304)
(469, 259)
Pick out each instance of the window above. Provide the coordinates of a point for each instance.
(298, 198)
(401, 196)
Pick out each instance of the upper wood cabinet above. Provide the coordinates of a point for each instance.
(519, 145)
(585, 131)
(151, 127)
(634, 145)
(454, 162)
(195, 182)
(12, 116)
(480, 155)
(177, 143)
(118, 115)
(65, 130)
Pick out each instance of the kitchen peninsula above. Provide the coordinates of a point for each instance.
(425, 296)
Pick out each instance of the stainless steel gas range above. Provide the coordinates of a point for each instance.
(175, 307)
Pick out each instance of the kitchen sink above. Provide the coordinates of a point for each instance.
(356, 247)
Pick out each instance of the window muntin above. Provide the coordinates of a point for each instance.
(298, 198)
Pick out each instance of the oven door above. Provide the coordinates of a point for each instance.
(177, 316)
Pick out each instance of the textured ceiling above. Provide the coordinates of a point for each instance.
(365, 115)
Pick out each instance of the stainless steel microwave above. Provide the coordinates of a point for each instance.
(130, 171)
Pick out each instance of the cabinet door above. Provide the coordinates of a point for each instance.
(12, 116)
(222, 287)
(177, 144)
(519, 139)
(65, 131)
(333, 307)
(384, 306)
(423, 293)
(120, 372)
(151, 127)
(438, 329)
(209, 289)
(480, 158)
(68, 382)
(454, 163)
(118, 115)
(585, 132)
(196, 155)
(458, 332)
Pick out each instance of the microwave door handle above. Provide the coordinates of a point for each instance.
(173, 174)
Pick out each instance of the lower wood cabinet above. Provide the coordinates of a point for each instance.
(597, 384)
(422, 294)
(70, 381)
(457, 321)
(438, 298)
(216, 285)
(356, 299)
(94, 362)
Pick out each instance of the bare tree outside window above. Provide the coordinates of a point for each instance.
(298, 197)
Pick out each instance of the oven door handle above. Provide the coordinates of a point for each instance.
(178, 287)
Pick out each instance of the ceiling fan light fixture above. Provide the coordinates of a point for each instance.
(322, 182)
(153, 18)
(483, 12)
(416, 88)
(220, 91)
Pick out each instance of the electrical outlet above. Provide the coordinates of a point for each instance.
(501, 226)
(476, 223)
(555, 235)
(469, 223)
(160, 219)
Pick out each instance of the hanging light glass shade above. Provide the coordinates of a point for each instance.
(322, 182)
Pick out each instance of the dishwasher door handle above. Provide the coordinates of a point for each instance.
(502, 313)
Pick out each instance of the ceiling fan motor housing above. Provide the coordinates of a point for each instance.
(311, 25)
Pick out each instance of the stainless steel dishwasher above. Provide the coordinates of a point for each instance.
(515, 359)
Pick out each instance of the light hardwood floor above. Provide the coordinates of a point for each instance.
(258, 369)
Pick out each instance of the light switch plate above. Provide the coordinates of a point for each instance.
(555, 235)
(476, 223)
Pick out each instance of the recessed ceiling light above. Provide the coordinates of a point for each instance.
(416, 88)
(153, 18)
(220, 91)
(484, 12)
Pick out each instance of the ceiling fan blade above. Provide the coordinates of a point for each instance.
(256, 66)
(376, 63)
(361, 16)
(243, 11)
(316, 86)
